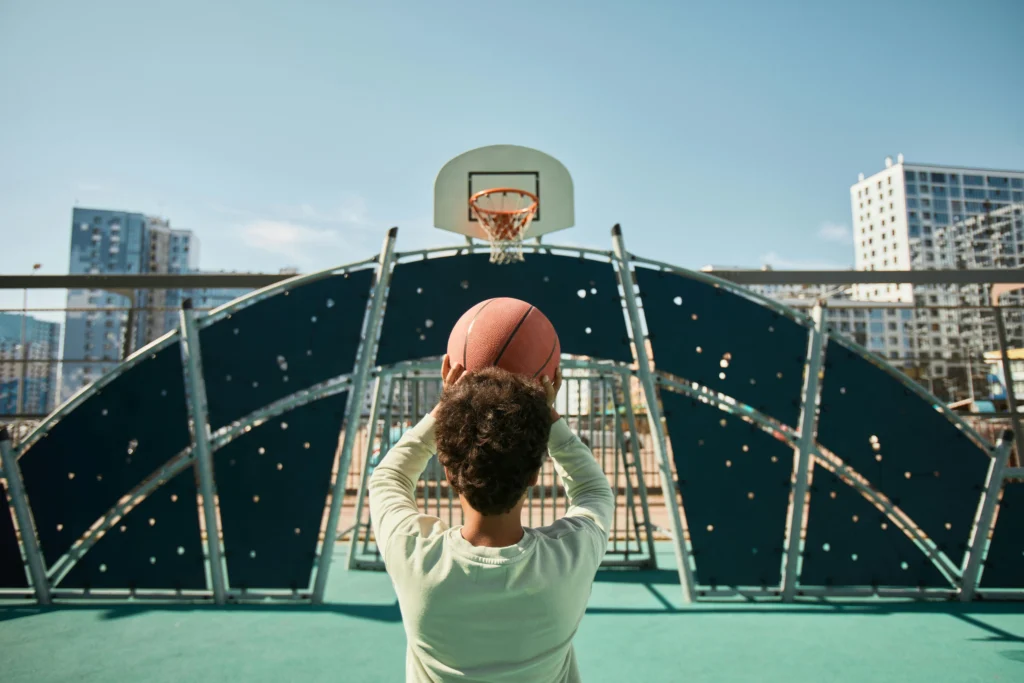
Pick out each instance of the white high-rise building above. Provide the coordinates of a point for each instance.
(897, 213)
(925, 216)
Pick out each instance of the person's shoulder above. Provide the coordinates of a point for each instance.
(577, 540)
(567, 529)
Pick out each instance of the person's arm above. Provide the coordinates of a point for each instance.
(586, 486)
(393, 484)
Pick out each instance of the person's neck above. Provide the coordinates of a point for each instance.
(492, 531)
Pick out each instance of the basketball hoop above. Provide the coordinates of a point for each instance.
(505, 214)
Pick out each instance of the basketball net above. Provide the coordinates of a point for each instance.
(505, 214)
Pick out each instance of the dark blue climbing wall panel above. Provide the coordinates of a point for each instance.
(104, 448)
(579, 296)
(909, 451)
(155, 546)
(283, 344)
(735, 483)
(12, 569)
(709, 335)
(273, 484)
(1004, 565)
(851, 543)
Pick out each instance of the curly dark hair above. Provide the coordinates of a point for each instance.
(492, 435)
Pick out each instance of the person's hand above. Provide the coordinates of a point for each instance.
(449, 376)
(551, 391)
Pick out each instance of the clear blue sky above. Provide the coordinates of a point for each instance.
(295, 133)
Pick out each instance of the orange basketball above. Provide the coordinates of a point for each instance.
(508, 333)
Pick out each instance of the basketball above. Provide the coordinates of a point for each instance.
(508, 333)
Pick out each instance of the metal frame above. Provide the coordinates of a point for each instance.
(965, 582)
(1011, 396)
(90, 390)
(412, 373)
(26, 524)
(115, 514)
(832, 463)
(644, 370)
(195, 392)
(804, 456)
(365, 357)
(371, 427)
(903, 522)
(983, 525)
(921, 392)
(737, 277)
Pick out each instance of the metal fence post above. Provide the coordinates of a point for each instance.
(983, 527)
(638, 469)
(196, 397)
(1011, 396)
(686, 578)
(805, 449)
(365, 357)
(26, 525)
(364, 476)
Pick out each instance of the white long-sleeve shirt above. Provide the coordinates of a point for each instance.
(476, 614)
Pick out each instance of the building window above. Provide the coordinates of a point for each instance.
(975, 180)
(1017, 182)
(924, 188)
(909, 175)
(911, 189)
(998, 182)
(923, 175)
(954, 179)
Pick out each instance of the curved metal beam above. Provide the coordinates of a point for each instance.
(228, 433)
(835, 464)
(791, 313)
(167, 471)
(921, 392)
(902, 520)
(276, 288)
(92, 389)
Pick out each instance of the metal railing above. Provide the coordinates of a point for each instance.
(378, 430)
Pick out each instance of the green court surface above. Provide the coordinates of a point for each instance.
(635, 630)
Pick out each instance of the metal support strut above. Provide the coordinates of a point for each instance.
(196, 393)
(804, 452)
(686, 578)
(371, 431)
(367, 355)
(980, 539)
(26, 525)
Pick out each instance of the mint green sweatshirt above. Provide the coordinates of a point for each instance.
(490, 614)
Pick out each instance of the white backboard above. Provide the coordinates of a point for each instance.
(503, 166)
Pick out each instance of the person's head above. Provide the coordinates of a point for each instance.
(492, 432)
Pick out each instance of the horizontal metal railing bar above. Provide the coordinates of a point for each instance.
(147, 281)
(869, 277)
(838, 304)
(102, 309)
(741, 277)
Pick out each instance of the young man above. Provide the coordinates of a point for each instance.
(491, 600)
